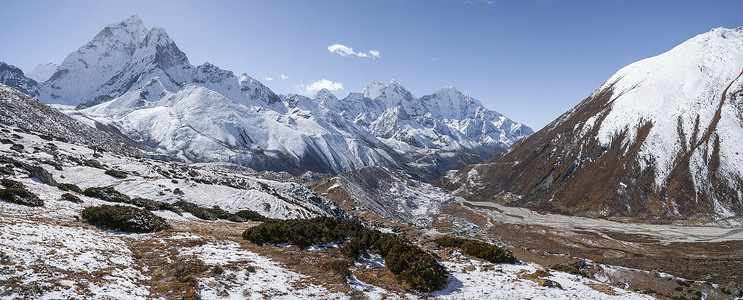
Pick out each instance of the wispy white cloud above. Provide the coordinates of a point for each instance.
(283, 77)
(487, 2)
(344, 50)
(316, 86)
(268, 78)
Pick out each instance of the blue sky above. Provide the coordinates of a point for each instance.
(530, 60)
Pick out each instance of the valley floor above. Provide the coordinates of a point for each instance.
(667, 261)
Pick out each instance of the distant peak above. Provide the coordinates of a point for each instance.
(395, 84)
(324, 93)
(374, 89)
(132, 21)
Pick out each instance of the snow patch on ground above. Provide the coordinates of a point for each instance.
(269, 280)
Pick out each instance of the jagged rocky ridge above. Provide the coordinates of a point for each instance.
(137, 80)
(661, 139)
(14, 77)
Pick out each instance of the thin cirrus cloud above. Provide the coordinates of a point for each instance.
(488, 2)
(344, 51)
(316, 86)
(282, 77)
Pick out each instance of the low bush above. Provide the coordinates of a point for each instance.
(115, 173)
(20, 196)
(124, 218)
(337, 266)
(69, 187)
(569, 269)
(145, 203)
(482, 250)
(236, 219)
(11, 184)
(201, 212)
(408, 262)
(303, 233)
(216, 212)
(107, 194)
(250, 215)
(411, 264)
(71, 198)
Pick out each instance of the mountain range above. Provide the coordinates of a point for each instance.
(660, 139)
(137, 80)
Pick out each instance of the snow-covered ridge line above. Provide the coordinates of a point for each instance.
(669, 129)
(137, 80)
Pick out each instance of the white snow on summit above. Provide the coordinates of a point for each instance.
(42, 72)
(137, 80)
(680, 92)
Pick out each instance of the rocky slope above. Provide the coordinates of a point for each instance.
(660, 139)
(49, 252)
(137, 80)
(18, 109)
(387, 193)
(14, 77)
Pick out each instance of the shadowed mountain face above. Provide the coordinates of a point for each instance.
(138, 81)
(661, 139)
(14, 77)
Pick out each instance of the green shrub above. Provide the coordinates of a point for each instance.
(302, 233)
(235, 218)
(408, 262)
(69, 187)
(11, 184)
(144, 203)
(482, 250)
(416, 267)
(71, 198)
(115, 173)
(337, 266)
(20, 196)
(569, 269)
(107, 194)
(250, 215)
(219, 213)
(124, 218)
(204, 213)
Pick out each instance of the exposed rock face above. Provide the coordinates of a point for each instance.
(660, 139)
(14, 77)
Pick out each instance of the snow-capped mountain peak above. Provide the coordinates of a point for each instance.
(324, 95)
(138, 80)
(374, 89)
(669, 128)
(121, 57)
(42, 72)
